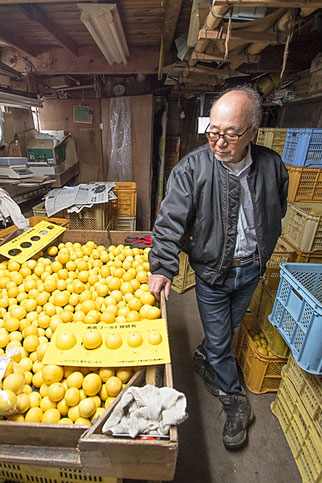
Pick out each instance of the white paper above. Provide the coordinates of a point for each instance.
(75, 198)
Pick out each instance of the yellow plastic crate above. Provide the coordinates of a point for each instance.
(47, 474)
(305, 184)
(299, 429)
(186, 276)
(283, 252)
(302, 226)
(261, 373)
(125, 204)
(261, 306)
(98, 217)
(309, 387)
(272, 137)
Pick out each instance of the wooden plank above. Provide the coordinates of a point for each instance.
(40, 456)
(171, 15)
(248, 36)
(18, 42)
(35, 13)
(249, 59)
(103, 455)
(90, 61)
(201, 69)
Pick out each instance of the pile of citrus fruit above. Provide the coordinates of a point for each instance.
(261, 343)
(69, 283)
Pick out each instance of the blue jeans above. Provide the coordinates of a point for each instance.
(222, 309)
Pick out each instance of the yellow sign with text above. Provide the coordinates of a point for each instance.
(140, 343)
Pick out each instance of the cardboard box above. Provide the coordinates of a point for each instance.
(44, 152)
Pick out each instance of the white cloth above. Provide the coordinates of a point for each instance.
(147, 410)
(8, 207)
(246, 242)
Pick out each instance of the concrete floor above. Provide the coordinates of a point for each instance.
(202, 457)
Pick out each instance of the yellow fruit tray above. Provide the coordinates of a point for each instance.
(120, 345)
(32, 241)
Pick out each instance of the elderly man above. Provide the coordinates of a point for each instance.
(223, 206)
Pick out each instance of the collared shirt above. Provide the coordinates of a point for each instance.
(246, 236)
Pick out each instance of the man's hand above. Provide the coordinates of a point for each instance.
(157, 283)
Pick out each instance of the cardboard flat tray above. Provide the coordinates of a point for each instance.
(87, 448)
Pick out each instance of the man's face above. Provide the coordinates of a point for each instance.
(231, 116)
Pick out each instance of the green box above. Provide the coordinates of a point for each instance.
(43, 151)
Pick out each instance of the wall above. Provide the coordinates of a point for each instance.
(58, 114)
(302, 114)
(94, 144)
(19, 122)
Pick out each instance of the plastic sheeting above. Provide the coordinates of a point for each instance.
(120, 163)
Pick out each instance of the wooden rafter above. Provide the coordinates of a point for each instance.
(171, 14)
(250, 59)
(35, 13)
(18, 42)
(4, 68)
(248, 36)
(201, 69)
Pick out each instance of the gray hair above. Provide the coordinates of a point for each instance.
(256, 107)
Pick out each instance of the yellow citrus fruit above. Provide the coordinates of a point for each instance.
(113, 341)
(108, 317)
(92, 339)
(73, 413)
(31, 343)
(43, 321)
(105, 373)
(23, 403)
(25, 363)
(46, 403)
(124, 374)
(83, 422)
(133, 316)
(72, 396)
(34, 399)
(92, 384)
(14, 382)
(52, 250)
(62, 407)
(50, 284)
(41, 350)
(87, 407)
(27, 389)
(98, 413)
(65, 340)
(134, 304)
(134, 339)
(63, 257)
(37, 379)
(75, 379)
(56, 391)
(65, 421)
(113, 386)
(34, 415)
(43, 390)
(109, 401)
(11, 324)
(51, 416)
(4, 339)
(52, 373)
(154, 313)
(147, 298)
(61, 298)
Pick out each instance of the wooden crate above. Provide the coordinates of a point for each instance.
(63, 446)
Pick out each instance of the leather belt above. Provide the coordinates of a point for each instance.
(239, 262)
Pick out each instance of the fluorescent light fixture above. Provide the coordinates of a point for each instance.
(14, 100)
(104, 24)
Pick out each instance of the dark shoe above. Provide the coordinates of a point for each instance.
(239, 416)
(202, 367)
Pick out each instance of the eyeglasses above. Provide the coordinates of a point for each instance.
(233, 138)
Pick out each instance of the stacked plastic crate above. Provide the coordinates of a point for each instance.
(297, 308)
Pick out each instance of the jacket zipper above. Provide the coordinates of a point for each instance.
(225, 239)
(255, 219)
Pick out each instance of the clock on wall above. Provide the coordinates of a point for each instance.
(118, 90)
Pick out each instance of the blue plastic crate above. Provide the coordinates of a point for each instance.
(303, 147)
(297, 313)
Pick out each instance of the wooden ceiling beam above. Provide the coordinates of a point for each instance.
(249, 59)
(273, 38)
(90, 61)
(273, 3)
(201, 69)
(35, 13)
(18, 42)
(4, 68)
(171, 14)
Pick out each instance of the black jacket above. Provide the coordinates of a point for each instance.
(199, 213)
